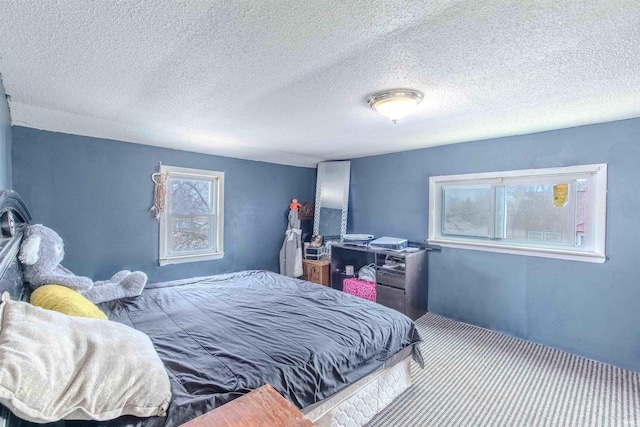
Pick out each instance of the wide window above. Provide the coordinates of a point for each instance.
(191, 228)
(556, 212)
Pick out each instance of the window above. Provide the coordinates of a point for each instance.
(191, 228)
(554, 213)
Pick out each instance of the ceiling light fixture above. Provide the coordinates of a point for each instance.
(395, 103)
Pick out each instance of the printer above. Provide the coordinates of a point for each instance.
(391, 243)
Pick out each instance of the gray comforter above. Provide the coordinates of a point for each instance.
(223, 336)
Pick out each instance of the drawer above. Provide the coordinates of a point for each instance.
(388, 278)
(391, 297)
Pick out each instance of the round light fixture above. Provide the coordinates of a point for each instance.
(395, 103)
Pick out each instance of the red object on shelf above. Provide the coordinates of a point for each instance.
(360, 288)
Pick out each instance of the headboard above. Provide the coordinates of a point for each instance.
(14, 216)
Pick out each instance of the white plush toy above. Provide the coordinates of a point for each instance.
(41, 251)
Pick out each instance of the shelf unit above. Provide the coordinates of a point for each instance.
(401, 277)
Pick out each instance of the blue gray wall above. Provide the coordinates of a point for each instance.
(96, 194)
(589, 309)
(5, 141)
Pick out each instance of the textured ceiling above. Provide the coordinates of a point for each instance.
(287, 81)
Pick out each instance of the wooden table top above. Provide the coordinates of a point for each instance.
(263, 407)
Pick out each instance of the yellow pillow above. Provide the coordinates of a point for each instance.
(65, 300)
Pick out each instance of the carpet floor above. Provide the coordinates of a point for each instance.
(476, 377)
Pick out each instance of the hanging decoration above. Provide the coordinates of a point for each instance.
(159, 192)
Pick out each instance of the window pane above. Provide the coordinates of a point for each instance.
(191, 234)
(554, 212)
(190, 196)
(532, 215)
(581, 212)
(467, 211)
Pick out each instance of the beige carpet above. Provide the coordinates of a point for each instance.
(476, 377)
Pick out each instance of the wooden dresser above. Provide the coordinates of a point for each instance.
(316, 271)
(263, 407)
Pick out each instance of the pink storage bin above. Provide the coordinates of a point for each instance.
(360, 288)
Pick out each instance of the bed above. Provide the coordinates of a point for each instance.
(338, 358)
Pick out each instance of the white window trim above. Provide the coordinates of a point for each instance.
(164, 257)
(600, 213)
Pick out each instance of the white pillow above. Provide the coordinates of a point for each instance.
(54, 366)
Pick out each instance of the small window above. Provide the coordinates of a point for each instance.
(556, 212)
(191, 228)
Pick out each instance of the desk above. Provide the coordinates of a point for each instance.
(263, 407)
(401, 277)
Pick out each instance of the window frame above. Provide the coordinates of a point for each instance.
(596, 205)
(165, 257)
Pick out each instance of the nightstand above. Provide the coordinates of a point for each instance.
(316, 271)
(263, 407)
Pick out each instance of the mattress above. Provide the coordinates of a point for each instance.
(360, 402)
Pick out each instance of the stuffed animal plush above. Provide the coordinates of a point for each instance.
(41, 252)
